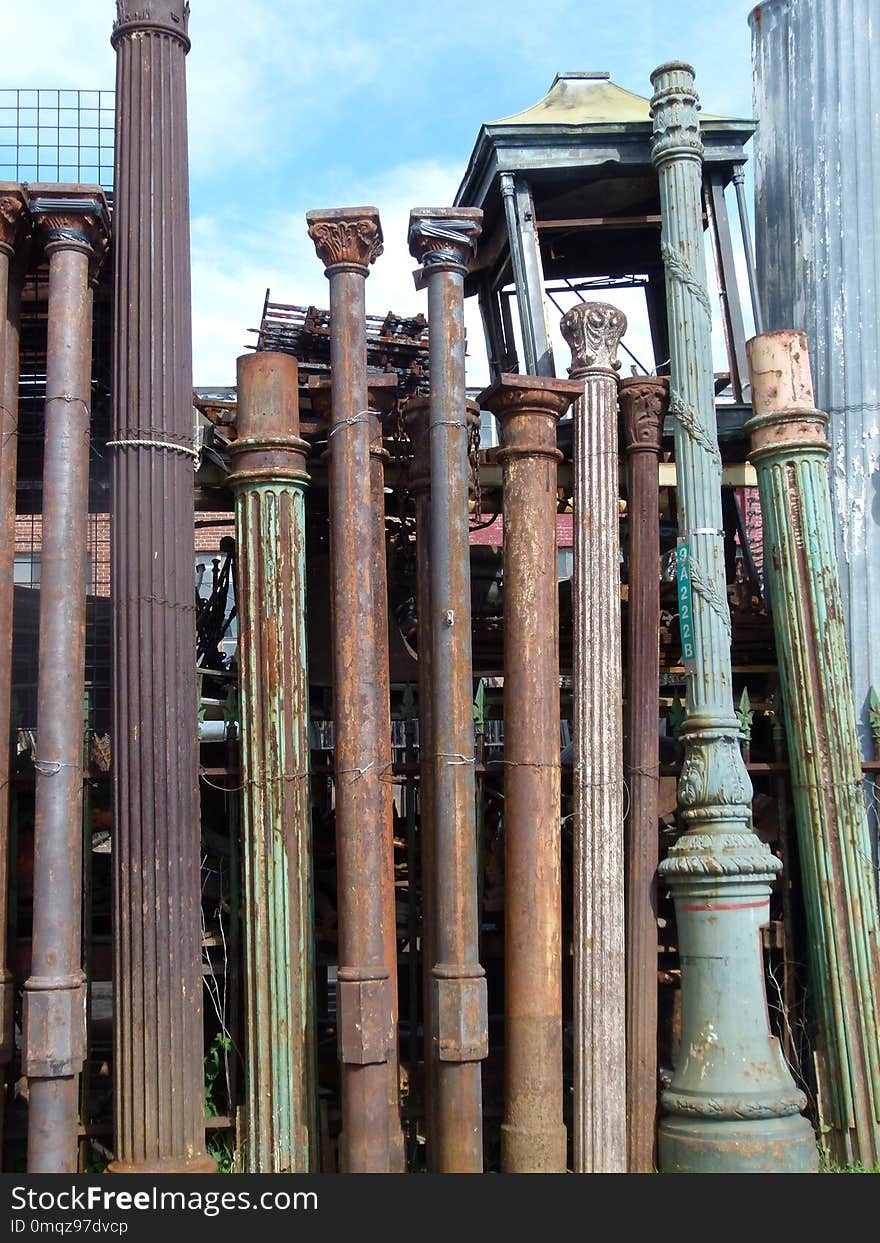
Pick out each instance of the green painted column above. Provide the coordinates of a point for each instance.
(790, 450)
(269, 479)
(732, 1104)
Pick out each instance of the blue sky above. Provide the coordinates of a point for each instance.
(297, 105)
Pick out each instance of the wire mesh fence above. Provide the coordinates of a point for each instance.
(56, 135)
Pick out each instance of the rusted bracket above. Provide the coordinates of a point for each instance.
(54, 1026)
(366, 1025)
(461, 1013)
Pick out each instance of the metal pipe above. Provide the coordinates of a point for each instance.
(159, 1106)
(533, 1136)
(732, 1105)
(268, 477)
(644, 401)
(593, 331)
(12, 230)
(54, 1037)
(443, 239)
(739, 178)
(790, 450)
(347, 241)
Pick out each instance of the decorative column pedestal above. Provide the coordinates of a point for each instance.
(533, 1136)
(54, 1036)
(593, 331)
(443, 240)
(790, 450)
(347, 241)
(159, 1103)
(269, 480)
(644, 401)
(13, 229)
(732, 1105)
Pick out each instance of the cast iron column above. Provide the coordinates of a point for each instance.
(443, 240)
(12, 228)
(790, 450)
(417, 419)
(54, 1037)
(732, 1105)
(348, 240)
(268, 477)
(644, 401)
(593, 331)
(159, 1118)
(533, 1136)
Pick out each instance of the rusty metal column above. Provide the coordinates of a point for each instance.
(443, 239)
(159, 1106)
(533, 1136)
(593, 331)
(12, 229)
(644, 401)
(54, 1037)
(347, 241)
(417, 417)
(268, 477)
(790, 450)
(732, 1105)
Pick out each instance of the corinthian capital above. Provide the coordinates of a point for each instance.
(12, 206)
(644, 402)
(593, 331)
(444, 235)
(674, 108)
(64, 218)
(346, 235)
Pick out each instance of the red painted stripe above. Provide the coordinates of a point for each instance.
(732, 906)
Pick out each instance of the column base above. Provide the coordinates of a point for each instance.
(770, 1146)
(202, 1164)
(527, 1151)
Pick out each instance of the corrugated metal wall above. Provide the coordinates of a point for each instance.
(817, 182)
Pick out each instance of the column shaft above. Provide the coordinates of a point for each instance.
(347, 241)
(643, 403)
(533, 1136)
(593, 330)
(443, 239)
(11, 222)
(54, 1002)
(790, 450)
(159, 1107)
(732, 1105)
(269, 480)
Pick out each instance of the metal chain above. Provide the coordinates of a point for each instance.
(475, 467)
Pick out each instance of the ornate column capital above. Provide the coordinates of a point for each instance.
(674, 108)
(528, 394)
(443, 237)
(164, 17)
(347, 237)
(64, 220)
(12, 216)
(644, 402)
(593, 331)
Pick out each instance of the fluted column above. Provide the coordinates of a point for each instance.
(269, 480)
(790, 450)
(644, 401)
(593, 330)
(347, 241)
(159, 1108)
(732, 1105)
(13, 225)
(443, 240)
(533, 1136)
(54, 1035)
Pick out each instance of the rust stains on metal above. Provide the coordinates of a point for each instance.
(644, 401)
(54, 1000)
(533, 1136)
(159, 1114)
(269, 479)
(443, 239)
(348, 240)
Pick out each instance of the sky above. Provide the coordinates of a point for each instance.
(298, 105)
